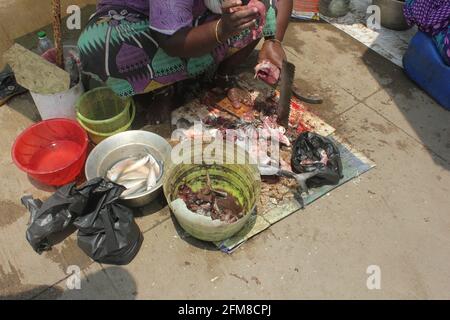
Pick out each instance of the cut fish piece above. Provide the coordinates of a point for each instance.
(268, 72)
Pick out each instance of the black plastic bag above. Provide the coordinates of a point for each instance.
(107, 231)
(53, 216)
(313, 152)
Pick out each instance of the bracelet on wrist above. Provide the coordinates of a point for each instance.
(217, 31)
(275, 40)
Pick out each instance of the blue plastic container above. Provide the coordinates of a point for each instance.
(425, 66)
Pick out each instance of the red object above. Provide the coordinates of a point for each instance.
(52, 152)
(262, 16)
(268, 72)
(306, 5)
(50, 55)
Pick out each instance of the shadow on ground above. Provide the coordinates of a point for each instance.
(418, 114)
(96, 286)
(390, 93)
(191, 240)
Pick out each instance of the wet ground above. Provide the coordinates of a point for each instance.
(395, 217)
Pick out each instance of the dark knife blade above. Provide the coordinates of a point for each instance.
(286, 82)
(311, 98)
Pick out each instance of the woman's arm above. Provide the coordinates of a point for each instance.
(272, 50)
(198, 41)
(284, 14)
(190, 42)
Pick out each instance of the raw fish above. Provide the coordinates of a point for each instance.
(155, 165)
(152, 160)
(151, 180)
(271, 123)
(115, 172)
(132, 184)
(157, 169)
(137, 165)
(268, 72)
(133, 187)
(217, 204)
(135, 175)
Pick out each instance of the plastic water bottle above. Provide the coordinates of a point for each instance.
(44, 43)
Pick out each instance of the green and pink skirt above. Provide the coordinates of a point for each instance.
(117, 48)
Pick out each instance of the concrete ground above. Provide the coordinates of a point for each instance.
(396, 216)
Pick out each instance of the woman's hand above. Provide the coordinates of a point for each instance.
(236, 18)
(272, 51)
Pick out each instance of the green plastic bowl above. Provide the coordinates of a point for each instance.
(243, 181)
(102, 111)
(97, 137)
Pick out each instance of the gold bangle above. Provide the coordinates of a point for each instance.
(217, 31)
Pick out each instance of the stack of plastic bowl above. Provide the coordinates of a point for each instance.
(103, 114)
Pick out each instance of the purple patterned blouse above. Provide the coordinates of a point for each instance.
(165, 16)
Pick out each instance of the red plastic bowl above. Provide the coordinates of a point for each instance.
(52, 152)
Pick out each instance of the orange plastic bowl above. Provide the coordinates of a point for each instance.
(52, 152)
